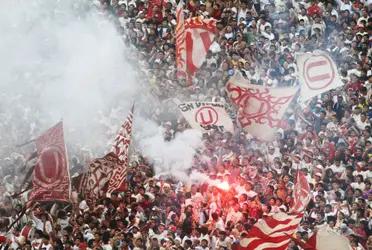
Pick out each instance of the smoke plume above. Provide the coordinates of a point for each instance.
(60, 60)
(170, 158)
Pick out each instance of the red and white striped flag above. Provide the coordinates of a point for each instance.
(180, 41)
(273, 232)
(301, 193)
(121, 150)
(199, 37)
(194, 36)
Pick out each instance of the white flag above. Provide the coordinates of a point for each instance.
(328, 239)
(206, 116)
(260, 108)
(317, 74)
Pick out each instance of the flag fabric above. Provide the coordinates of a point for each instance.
(51, 178)
(121, 150)
(325, 238)
(180, 42)
(99, 174)
(260, 109)
(273, 232)
(317, 73)
(199, 37)
(301, 192)
(206, 116)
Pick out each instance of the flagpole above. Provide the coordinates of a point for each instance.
(25, 143)
(29, 187)
(23, 211)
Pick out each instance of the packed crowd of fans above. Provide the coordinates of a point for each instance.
(329, 140)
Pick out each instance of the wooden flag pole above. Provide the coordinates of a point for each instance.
(25, 143)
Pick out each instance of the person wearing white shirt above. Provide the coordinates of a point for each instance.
(362, 122)
(345, 5)
(234, 215)
(337, 167)
(358, 184)
(42, 224)
(223, 241)
(46, 245)
(242, 11)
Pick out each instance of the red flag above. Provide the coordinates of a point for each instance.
(180, 42)
(194, 36)
(99, 174)
(51, 179)
(121, 150)
(199, 37)
(301, 193)
(260, 108)
(272, 232)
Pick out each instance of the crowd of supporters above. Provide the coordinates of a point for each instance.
(329, 140)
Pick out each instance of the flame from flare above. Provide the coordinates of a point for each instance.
(222, 185)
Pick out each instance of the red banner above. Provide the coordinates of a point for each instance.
(100, 172)
(121, 150)
(194, 36)
(180, 42)
(302, 194)
(51, 179)
(199, 37)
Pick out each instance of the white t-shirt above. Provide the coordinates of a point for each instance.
(337, 170)
(35, 244)
(106, 247)
(360, 186)
(39, 224)
(46, 247)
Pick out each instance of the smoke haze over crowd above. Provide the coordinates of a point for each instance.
(60, 60)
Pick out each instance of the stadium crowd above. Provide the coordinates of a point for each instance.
(329, 140)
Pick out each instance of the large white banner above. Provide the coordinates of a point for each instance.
(260, 109)
(317, 74)
(206, 116)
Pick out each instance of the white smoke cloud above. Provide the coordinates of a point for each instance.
(173, 158)
(170, 158)
(198, 177)
(60, 59)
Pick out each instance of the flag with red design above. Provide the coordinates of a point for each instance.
(121, 150)
(51, 178)
(301, 193)
(199, 37)
(326, 238)
(206, 116)
(194, 36)
(273, 232)
(180, 41)
(260, 108)
(94, 183)
(317, 73)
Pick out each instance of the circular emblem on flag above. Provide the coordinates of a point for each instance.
(318, 72)
(50, 167)
(206, 116)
